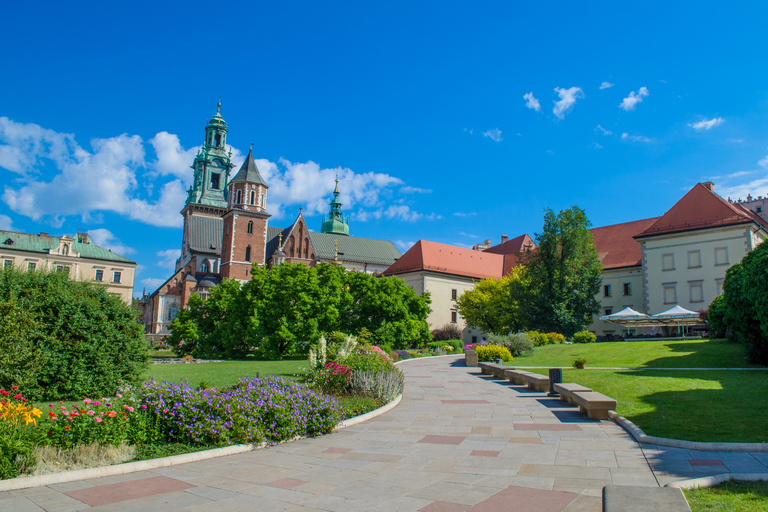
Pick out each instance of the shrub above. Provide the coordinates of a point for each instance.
(255, 410)
(17, 433)
(518, 344)
(493, 352)
(554, 338)
(584, 337)
(580, 362)
(456, 345)
(333, 378)
(368, 359)
(714, 317)
(538, 338)
(446, 332)
(385, 385)
(92, 342)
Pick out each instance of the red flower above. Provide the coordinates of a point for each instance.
(52, 414)
(14, 388)
(17, 396)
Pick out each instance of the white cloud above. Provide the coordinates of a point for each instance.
(605, 85)
(596, 145)
(470, 131)
(6, 224)
(735, 141)
(168, 258)
(494, 134)
(463, 214)
(400, 212)
(706, 124)
(104, 238)
(403, 245)
(600, 129)
(634, 138)
(152, 283)
(763, 163)
(415, 190)
(568, 99)
(532, 102)
(631, 101)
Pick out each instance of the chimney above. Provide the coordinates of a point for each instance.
(709, 185)
(43, 234)
(504, 239)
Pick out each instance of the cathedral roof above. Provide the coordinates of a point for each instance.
(354, 249)
(205, 234)
(249, 172)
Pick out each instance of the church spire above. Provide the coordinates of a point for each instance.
(212, 165)
(335, 222)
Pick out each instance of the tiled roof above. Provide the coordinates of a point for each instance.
(354, 249)
(273, 239)
(448, 259)
(701, 208)
(510, 249)
(249, 172)
(616, 244)
(205, 234)
(13, 241)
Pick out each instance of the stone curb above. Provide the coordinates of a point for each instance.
(367, 416)
(641, 437)
(709, 481)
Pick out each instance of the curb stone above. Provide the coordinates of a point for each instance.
(709, 481)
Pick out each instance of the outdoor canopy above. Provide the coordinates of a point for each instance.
(674, 316)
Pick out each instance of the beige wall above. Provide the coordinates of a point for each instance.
(83, 269)
(618, 300)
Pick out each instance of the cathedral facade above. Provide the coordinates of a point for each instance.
(226, 232)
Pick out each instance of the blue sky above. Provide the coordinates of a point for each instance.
(452, 122)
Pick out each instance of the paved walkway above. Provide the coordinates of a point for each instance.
(457, 442)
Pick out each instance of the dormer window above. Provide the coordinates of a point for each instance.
(65, 250)
(8, 241)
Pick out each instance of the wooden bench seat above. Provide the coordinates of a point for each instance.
(536, 381)
(515, 376)
(593, 404)
(566, 390)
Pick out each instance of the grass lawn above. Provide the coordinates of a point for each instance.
(710, 406)
(223, 374)
(654, 354)
(731, 496)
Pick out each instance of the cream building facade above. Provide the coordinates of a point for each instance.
(78, 256)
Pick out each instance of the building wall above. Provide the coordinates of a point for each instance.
(82, 269)
(615, 299)
(689, 268)
(237, 240)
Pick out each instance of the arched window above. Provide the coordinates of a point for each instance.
(204, 267)
(173, 310)
(293, 246)
(253, 197)
(65, 250)
(218, 139)
(250, 227)
(306, 247)
(248, 253)
(239, 197)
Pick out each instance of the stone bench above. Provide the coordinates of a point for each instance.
(594, 405)
(515, 376)
(497, 370)
(630, 498)
(536, 382)
(566, 390)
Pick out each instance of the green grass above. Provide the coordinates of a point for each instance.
(223, 374)
(655, 354)
(162, 354)
(730, 496)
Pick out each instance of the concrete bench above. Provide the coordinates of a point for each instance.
(497, 370)
(515, 376)
(631, 498)
(536, 382)
(566, 390)
(593, 404)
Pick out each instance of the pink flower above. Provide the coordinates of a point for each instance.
(50, 405)
(90, 413)
(130, 409)
(14, 388)
(55, 418)
(65, 412)
(143, 406)
(119, 395)
(87, 401)
(17, 396)
(97, 420)
(165, 411)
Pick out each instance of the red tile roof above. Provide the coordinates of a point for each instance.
(701, 208)
(616, 244)
(448, 259)
(510, 249)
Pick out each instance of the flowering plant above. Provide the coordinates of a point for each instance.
(17, 419)
(369, 358)
(333, 378)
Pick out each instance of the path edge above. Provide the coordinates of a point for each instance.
(710, 481)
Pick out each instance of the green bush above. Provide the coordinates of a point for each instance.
(518, 344)
(457, 345)
(80, 340)
(715, 317)
(446, 332)
(554, 338)
(538, 338)
(492, 353)
(584, 337)
(368, 359)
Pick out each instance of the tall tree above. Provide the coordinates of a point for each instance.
(563, 275)
(493, 305)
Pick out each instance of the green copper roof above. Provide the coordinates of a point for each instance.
(217, 119)
(249, 172)
(358, 250)
(335, 222)
(12, 241)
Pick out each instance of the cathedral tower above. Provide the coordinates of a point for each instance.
(335, 222)
(245, 222)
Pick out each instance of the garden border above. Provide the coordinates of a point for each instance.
(710, 481)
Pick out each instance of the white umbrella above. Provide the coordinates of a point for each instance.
(630, 318)
(679, 316)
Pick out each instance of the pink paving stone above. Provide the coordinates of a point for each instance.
(442, 439)
(443, 506)
(525, 500)
(544, 426)
(702, 462)
(286, 483)
(337, 450)
(124, 491)
(484, 453)
(464, 401)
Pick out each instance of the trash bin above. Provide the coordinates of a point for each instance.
(555, 377)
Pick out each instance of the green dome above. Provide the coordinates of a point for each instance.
(335, 225)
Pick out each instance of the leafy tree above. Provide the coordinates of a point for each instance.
(563, 275)
(493, 305)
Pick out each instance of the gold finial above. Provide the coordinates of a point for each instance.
(251, 145)
(336, 250)
(280, 241)
(301, 209)
(218, 105)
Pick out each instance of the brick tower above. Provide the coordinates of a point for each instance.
(245, 222)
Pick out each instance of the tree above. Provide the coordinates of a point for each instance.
(492, 305)
(563, 275)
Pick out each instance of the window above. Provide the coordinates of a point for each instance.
(248, 253)
(454, 294)
(719, 286)
(250, 227)
(759, 209)
(667, 262)
(173, 310)
(721, 256)
(454, 317)
(253, 197)
(99, 275)
(474, 339)
(262, 200)
(694, 259)
(670, 293)
(116, 277)
(239, 197)
(607, 290)
(627, 288)
(608, 311)
(204, 267)
(8, 264)
(65, 250)
(696, 289)
(62, 268)
(218, 139)
(31, 266)
(215, 180)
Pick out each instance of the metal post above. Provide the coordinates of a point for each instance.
(555, 377)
